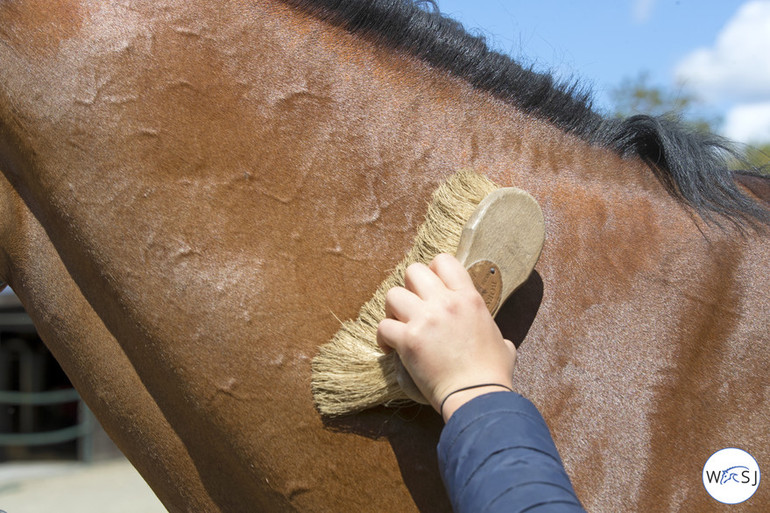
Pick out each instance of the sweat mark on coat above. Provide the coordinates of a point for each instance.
(35, 27)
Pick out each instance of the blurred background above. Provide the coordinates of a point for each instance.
(706, 61)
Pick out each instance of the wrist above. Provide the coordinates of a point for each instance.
(454, 400)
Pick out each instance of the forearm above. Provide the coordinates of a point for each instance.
(496, 454)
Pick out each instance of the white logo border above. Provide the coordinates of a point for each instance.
(729, 498)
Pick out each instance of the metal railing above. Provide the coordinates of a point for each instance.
(82, 431)
(29, 394)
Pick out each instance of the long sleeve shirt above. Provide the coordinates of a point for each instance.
(496, 454)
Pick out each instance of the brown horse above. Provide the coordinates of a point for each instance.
(193, 192)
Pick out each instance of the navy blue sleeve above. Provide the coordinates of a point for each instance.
(497, 455)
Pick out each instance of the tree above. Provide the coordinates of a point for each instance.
(638, 96)
(759, 157)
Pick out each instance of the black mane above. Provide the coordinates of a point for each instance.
(692, 165)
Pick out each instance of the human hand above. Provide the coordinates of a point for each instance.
(446, 338)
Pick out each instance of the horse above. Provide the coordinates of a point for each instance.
(193, 193)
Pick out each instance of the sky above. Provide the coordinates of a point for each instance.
(718, 50)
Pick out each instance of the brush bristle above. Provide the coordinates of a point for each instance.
(350, 372)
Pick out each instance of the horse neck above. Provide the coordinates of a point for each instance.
(220, 180)
(274, 87)
(244, 115)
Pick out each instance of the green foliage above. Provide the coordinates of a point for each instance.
(638, 96)
(759, 157)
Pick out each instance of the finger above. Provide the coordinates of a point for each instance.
(422, 281)
(401, 304)
(390, 334)
(451, 272)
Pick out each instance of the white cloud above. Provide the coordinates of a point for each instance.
(737, 66)
(748, 123)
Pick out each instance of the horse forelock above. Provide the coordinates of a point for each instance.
(693, 166)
